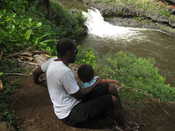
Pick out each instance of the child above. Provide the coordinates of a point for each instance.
(88, 78)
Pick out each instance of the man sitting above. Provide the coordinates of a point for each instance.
(67, 96)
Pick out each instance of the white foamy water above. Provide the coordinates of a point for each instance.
(100, 28)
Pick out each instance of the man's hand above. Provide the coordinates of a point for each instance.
(115, 82)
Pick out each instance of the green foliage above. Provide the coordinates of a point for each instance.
(19, 32)
(10, 117)
(86, 57)
(18, 6)
(10, 66)
(1, 73)
(71, 24)
(22, 27)
(5, 113)
(26, 27)
(140, 78)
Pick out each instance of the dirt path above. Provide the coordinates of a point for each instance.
(34, 110)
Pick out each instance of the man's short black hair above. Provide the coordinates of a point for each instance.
(64, 45)
(85, 73)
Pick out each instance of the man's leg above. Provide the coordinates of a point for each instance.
(89, 110)
(92, 109)
(101, 90)
(118, 112)
(97, 103)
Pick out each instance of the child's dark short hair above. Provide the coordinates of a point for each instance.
(85, 73)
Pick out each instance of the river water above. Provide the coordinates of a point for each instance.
(107, 38)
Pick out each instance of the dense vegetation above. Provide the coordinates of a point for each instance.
(140, 78)
(26, 27)
(5, 113)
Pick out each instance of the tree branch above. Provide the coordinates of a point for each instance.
(15, 74)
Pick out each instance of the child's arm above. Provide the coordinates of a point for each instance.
(109, 81)
(115, 82)
(89, 88)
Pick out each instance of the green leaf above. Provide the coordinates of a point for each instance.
(28, 34)
(1, 73)
(39, 24)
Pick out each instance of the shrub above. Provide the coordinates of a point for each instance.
(22, 28)
(140, 78)
(71, 23)
(19, 32)
(86, 56)
(8, 89)
(17, 6)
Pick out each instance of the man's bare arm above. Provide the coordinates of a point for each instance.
(36, 74)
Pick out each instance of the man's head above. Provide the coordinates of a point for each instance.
(66, 49)
(85, 73)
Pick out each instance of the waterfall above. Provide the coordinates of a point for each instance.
(98, 27)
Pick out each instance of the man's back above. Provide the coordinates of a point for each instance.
(61, 84)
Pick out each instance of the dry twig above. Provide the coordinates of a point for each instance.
(15, 74)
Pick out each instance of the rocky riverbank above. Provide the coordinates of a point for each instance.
(136, 16)
(114, 10)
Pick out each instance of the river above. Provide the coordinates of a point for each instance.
(107, 38)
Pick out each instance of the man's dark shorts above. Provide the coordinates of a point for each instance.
(94, 105)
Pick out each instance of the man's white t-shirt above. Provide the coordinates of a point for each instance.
(61, 84)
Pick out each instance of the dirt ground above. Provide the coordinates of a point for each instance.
(35, 113)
